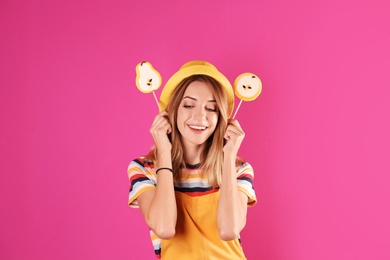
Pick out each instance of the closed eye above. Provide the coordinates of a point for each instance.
(211, 109)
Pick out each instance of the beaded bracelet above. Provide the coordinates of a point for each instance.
(163, 168)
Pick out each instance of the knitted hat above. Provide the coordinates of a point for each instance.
(196, 67)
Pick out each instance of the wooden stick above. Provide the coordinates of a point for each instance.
(155, 97)
(239, 104)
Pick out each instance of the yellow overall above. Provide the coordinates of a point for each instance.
(197, 235)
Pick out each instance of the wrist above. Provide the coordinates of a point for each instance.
(164, 169)
(164, 155)
(229, 155)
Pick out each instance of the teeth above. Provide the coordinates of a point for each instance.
(197, 127)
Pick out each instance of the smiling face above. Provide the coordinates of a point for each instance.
(197, 115)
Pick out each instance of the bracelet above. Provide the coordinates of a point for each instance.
(163, 168)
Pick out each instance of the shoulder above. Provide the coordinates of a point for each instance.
(141, 162)
(243, 166)
(141, 178)
(141, 166)
(245, 171)
(245, 181)
(141, 170)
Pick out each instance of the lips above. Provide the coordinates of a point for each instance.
(197, 127)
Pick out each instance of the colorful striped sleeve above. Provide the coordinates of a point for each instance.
(141, 178)
(245, 182)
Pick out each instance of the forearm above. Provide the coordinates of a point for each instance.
(162, 213)
(232, 207)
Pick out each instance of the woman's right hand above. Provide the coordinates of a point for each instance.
(159, 130)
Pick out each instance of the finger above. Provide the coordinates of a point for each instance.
(160, 122)
(234, 130)
(169, 128)
(235, 123)
(160, 115)
(160, 118)
(161, 125)
(231, 133)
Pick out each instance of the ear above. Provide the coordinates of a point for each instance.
(148, 78)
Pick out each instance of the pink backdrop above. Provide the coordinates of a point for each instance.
(72, 119)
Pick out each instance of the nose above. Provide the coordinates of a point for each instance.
(199, 113)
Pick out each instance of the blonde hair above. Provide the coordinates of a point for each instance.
(212, 155)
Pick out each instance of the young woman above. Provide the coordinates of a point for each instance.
(192, 189)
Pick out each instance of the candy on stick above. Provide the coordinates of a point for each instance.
(247, 87)
(148, 79)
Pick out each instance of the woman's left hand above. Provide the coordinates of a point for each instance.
(234, 136)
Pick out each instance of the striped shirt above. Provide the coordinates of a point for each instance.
(142, 178)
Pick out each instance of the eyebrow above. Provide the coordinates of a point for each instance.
(192, 98)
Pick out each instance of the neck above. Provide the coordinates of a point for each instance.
(192, 153)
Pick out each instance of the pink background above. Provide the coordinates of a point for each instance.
(72, 119)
